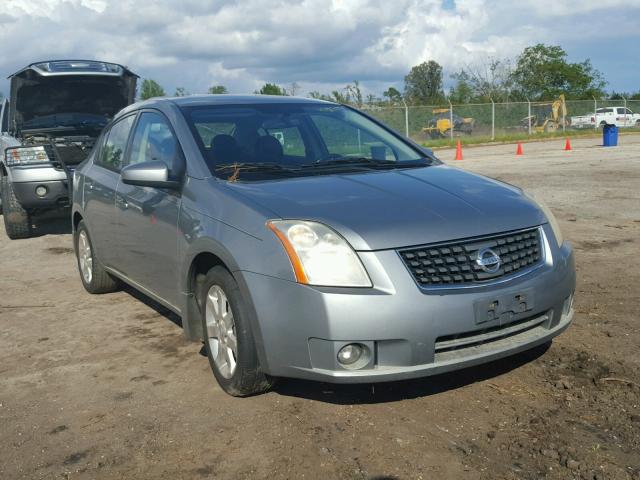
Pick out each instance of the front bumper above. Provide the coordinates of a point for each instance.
(408, 332)
(25, 180)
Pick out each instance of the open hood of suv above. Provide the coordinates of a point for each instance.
(68, 96)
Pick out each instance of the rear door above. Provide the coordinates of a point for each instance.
(100, 183)
(147, 216)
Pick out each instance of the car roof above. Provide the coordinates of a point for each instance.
(234, 99)
(162, 103)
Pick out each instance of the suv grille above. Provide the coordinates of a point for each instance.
(455, 263)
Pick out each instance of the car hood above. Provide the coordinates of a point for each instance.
(44, 103)
(399, 208)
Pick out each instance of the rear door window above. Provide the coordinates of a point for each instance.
(114, 148)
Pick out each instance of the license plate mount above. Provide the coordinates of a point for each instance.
(505, 308)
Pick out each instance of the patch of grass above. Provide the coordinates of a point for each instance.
(519, 137)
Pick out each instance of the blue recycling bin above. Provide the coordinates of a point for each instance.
(610, 136)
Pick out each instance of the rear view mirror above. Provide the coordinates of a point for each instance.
(148, 174)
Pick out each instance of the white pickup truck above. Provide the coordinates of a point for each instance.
(618, 116)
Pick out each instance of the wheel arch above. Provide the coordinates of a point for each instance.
(76, 219)
(204, 254)
(201, 260)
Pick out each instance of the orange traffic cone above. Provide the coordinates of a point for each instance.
(519, 149)
(459, 151)
(567, 145)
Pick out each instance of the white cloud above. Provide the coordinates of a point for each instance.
(317, 43)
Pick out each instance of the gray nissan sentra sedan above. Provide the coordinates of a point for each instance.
(300, 238)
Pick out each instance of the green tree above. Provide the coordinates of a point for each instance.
(392, 94)
(371, 99)
(622, 95)
(339, 97)
(180, 92)
(218, 90)
(319, 96)
(461, 92)
(354, 94)
(150, 88)
(423, 84)
(492, 80)
(271, 89)
(542, 72)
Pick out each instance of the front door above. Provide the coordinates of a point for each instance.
(147, 216)
(100, 183)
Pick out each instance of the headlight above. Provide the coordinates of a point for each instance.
(555, 226)
(26, 156)
(319, 255)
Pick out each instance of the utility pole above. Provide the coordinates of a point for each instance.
(450, 120)
(493, 119)
(406, 118)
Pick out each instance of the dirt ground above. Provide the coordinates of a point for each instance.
(106, 387)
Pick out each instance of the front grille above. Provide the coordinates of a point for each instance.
(455, 263)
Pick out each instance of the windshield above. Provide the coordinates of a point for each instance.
(254, 142)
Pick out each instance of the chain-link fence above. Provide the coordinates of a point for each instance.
(503, 120)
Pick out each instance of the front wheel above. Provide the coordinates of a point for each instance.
(17, 220)
(228, 337)
(95, 278)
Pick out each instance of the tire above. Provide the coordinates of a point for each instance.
(94, 277)
(17, 220)
(225, 325)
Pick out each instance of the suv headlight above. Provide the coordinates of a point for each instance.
(26, 156)
(555, 226)
(319, 255)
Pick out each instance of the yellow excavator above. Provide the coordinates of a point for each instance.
(440, 125)
(547, 117)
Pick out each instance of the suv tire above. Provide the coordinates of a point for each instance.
(95, 278)
(17, 220)
(227, 336)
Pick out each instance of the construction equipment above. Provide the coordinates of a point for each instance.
(440, 125)
(547, 116)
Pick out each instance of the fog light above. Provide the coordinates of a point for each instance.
(41, 190)
(350, 354)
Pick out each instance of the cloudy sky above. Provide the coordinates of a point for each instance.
(320, 44)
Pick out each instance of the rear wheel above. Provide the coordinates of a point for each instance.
(228, 337)
(95, 278)
(17, 220)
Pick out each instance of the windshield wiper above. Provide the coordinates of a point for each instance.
(369, 163)
(236, 168)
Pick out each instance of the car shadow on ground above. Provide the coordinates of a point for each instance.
(405, 389)
(149, 302)
(54, 223)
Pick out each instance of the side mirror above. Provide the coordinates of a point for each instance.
(148, 174)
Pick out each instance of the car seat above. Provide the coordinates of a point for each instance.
(268, 150)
